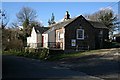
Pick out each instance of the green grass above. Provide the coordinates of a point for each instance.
(36, 55)
(56, 56)
(65, 55)
(74, 55)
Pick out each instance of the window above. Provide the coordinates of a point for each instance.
(80, 34)
(61, 35)
(58, 35)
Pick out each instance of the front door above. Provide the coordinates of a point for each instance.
(42, 41)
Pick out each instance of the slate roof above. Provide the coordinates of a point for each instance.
(41, 29)
(96, 24)
(60, 24)
(64, 23)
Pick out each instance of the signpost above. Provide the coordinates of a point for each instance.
(73, 42)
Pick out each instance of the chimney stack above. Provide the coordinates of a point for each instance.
(67, 16)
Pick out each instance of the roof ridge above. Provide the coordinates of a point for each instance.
(93, 20)
(63, 21)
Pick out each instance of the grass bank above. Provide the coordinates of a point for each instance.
(44, 55)
(81, 54)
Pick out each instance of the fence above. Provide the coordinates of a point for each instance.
(34, 45)
(57, 45)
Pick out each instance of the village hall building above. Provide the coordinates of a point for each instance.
(71, 34)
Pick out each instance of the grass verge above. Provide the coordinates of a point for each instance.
(56, 56)
(77, 54)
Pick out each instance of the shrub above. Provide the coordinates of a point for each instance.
(31, 50)
(44, 54)
(111, 45)
(12, 52)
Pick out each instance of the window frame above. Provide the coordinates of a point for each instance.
(58, 35)
(82, 34)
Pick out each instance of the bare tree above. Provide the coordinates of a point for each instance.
(26, 17)
(107, 17)
(3, 19)
(14, 24)
(26, 13)
(10, 39)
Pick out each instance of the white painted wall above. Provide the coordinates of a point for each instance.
(63, 35)
(39, 38)
(51, 36)
(33, 36)
(28, 40)
(35, 39)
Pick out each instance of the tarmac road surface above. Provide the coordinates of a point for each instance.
(22, 68)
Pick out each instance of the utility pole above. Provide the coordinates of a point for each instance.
(119, 14)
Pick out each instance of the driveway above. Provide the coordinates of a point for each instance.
(23, 68)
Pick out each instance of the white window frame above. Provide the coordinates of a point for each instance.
(82, 34)
(58, 35)
(61, 36)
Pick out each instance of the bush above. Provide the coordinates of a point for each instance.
(44, 54)
(111, 45)
(12, 52)
(32, 50)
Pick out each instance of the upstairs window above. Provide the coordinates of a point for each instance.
(80, 34)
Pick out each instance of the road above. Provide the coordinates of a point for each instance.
(23, 68)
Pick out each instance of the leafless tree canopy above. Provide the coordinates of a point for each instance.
(105, 16)
(96, 16)
(26, 13)
(4, 19)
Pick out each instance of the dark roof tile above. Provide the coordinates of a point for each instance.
(65, 23)
(97, 24)
(41, 29)
(59, 25)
